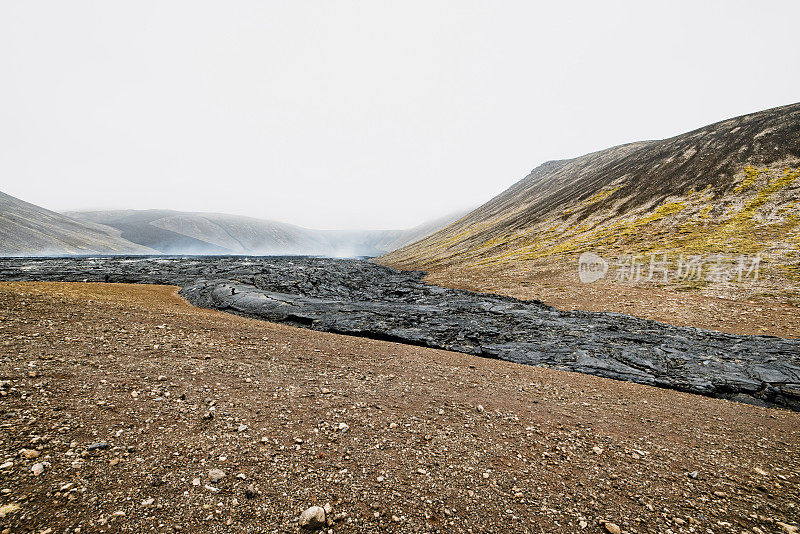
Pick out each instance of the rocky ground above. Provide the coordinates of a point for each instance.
(123, 408)
(360, 298)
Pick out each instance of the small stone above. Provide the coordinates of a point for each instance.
(208, 416)
(7, 465)
(392, 425)
(30, 453)
(597, 450)
(215, 475)
(97, 446)
(313, 518)
(480, 408)
(37, 469)
(343, 427)
(242, 428)
(196, 481)
(251, 492)
(148, 502)
(612, 528)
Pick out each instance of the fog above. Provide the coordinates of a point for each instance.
(359, 115)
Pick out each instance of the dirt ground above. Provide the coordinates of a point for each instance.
(735, 314)
(125, 397)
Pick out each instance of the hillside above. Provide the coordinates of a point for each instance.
(718, 192)
(26, 229)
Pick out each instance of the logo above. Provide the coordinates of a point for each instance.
(591, 267)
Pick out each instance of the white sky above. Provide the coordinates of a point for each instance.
(369, 114)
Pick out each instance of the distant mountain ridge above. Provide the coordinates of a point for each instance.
(29, 230)
(175, 232)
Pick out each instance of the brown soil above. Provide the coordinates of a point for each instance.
(753, 315)
(138, 368)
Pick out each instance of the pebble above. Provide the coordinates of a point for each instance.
(480, 408)
(597, 450)
(215, 475)
(343, 427)
(30, 453)
(313, 518)
(97, 446)
(613, 528)
(148, 502)
(37, 469)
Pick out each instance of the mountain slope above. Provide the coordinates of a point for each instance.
(728, 188)
(27, 229)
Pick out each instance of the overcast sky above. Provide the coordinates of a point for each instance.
(368, 114)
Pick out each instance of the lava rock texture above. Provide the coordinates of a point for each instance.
(359, 298)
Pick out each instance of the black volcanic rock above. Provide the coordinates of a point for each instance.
(363, 299)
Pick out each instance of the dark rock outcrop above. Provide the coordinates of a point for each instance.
(363, 299)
